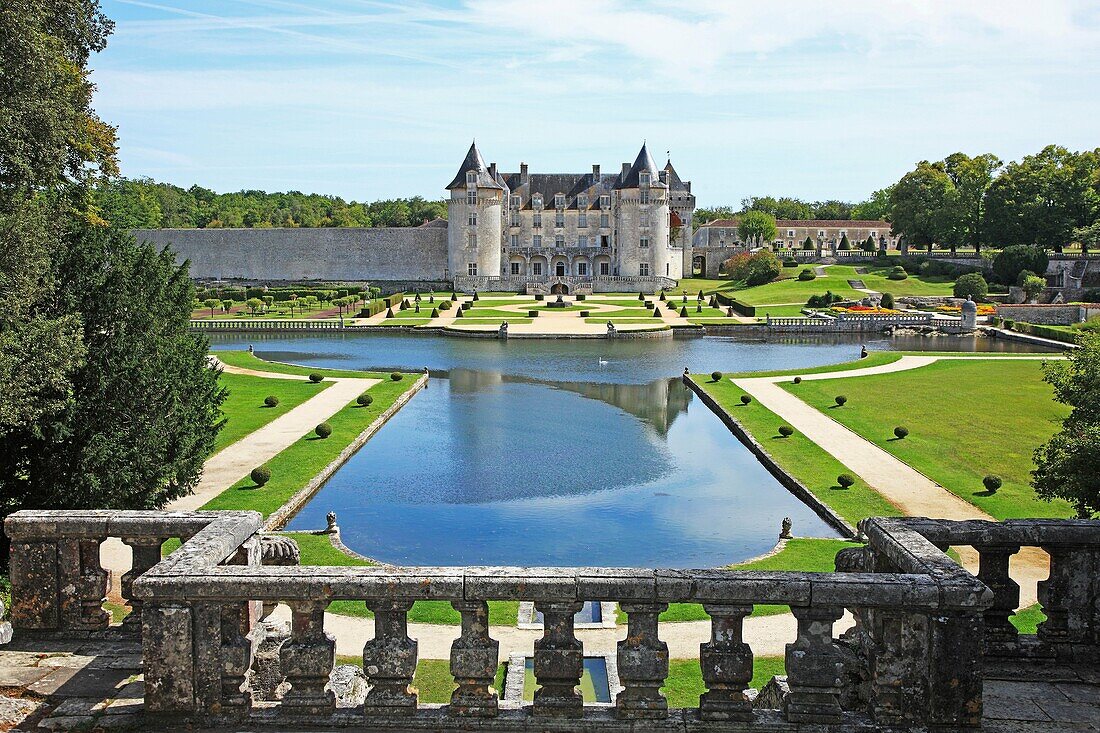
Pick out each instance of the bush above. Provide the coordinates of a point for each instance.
(790, 262)
(656, 312)
(435, 313)
(641, 295)
(1014, 259)
(684, 312)
(823, 301)
(992, 483)
(971, 285)
(323, 430)
(745, 399)
(389, 313)
(898, 273)
(445, 305)
(581, 296)
(540, 296)
(271, 401)
(840, 400)
(786, 431)
(585, 314)
(901, 432)
(844, 243)
(887, 301)
(316, 378)
(364, 400)
(460, 313)
(475, 296)
(532, 314)
(716, 376)
(260, 475)
(798, 380)
(396, 376)
(845, 480)
(807, 274)
(404, 306)
(755, 269)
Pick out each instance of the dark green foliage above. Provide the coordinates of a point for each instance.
(823, 301)
(389, 313)
(992, 483)
(844, 243)
(698, 307)
(756, 269)
(1015, 259)
(435, 313)
(683, 312)
(898, 273)
(581, 296)
(656, 312)
(476, 298)
(404, 305)
(887, 301)
(845, 480)
(585, 314)
(364, 400)
(971, 284)
(323, 430)
(807, 243)
(790, 262)
(271, 401)
(807, 274)
(840, 400)
(396, 376)
(901, 432)
(745, 399)
(260, 475)
(540, 296)
(786, 431)
(797, 380)
(460, 313)
(532, 314)
(716, 376)
(641, 295)
(316, 378)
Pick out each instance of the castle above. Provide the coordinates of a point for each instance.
(568, 232)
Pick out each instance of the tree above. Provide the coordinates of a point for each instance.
(1016, 258)
(874, 208)
(756, 228)
(781, 208)
(211, 303)
(921, 205)
(1033, 285)
(1089, 236)
(868, 244)
(1041, 199)
(831, 210)
(971, 285)
(971, 178)
(227, 305)
(755, 269)
(1065, 466)
(253, 305)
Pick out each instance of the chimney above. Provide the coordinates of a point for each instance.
(662, 176)
(687, 184)
(493, 171)
(596, 171)
(523, 174)
(626, 171)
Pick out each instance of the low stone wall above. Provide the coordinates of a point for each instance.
(1043, 315)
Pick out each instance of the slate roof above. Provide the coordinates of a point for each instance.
(674, 181)
(474, 162)
(823, 223)
(570, 184)
(642, 163)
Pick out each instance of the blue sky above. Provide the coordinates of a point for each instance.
(373, 99)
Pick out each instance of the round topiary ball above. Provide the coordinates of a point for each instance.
(316, 378)
(900, 432)
(798, 380)
(260, 475)
(786, 431)
(271, 401)
(840, 400)
(716, 376)
(845, 480)
(745, 399)
(364, 400)
(323, 430)
(397, 376)
(992, 483)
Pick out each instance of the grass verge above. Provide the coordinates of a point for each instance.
(244, 407)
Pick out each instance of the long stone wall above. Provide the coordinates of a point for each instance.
(405, 253)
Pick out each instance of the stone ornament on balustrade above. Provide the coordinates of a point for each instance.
(914, 659)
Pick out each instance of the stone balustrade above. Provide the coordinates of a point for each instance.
(913, 660)
(267, 324)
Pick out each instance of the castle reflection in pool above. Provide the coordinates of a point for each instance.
(484, 468)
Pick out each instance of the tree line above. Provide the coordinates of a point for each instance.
(143, 203)
(787, 207)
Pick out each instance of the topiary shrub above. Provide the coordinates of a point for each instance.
(641, 295)
(435, 313)
(404, 306)
(389, 313)
(323, 430)
(475, 296)
(840, 400)
(716, 376)
(786, 431)
(898, 273)
(790, 262)
(584, 314)
(460, 313)
(271, 401)
(806, 275)
(887, 301)
(901, 432)
(532, 314)
(364, 400)
(581, 296)
(798, 380)
(698, 307)
(540, 296)
(656, 312)
(992, 483)
(845, 480)
(396, 376)
(260, 475)
(684, 312)
(316, 378)
(745, 399)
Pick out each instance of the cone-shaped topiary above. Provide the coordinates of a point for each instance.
(475, 296)
(641, 295)
(389, 313)
(656, 312)
(435, 313)
(460, 313)
(684, 312)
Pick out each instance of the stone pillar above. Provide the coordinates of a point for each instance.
(643, 664)
(814, 667)
(993, 571)
(726, 664)
(474, 663)
(34, 586)
(146, 552)
(167, 653)
(559, 661)
(897, 664)
(238, 644)
(955, 670)
(389, 660)
(83, 588)
(307, 659)
(1069, 598)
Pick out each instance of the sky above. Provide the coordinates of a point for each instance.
(370, 99)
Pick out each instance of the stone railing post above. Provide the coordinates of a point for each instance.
(167, 651)
(389, 660)
(146, 554)
(955, 670)
(726, 664)
(36, 600)
(993, 571)
(897, 664)
(307, 658)
(83, 596)
(474, 663)
(559, 661)
(643, 664)
(813, 667)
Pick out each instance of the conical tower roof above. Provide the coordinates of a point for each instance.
(674, 181)
(474, 162)
(643, 163)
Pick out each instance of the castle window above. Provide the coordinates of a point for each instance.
(559, 240)
(643, 242)
(643, 179)
(582, 201)
(645, 218)
(536, 269)
(472, 219)
(471, 178)
(471, 269)
(643, 269)
(536, 201)
(515, 202)
(582, 241)
(605, 268)
(536, 220)
(605, 202)
(559, 201)
(582, 268)
(821, 232)
(605, 221)
(559, 219)
(515, 268)
(644, 196)
(582, 220)
(536, 241)
(514, 240)
(790, 232)
(515, 218)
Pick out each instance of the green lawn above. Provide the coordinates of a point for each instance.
(967, 418)
(244, 407)
(251, 361)
(685, 679)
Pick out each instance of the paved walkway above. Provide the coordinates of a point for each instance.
(906, 488)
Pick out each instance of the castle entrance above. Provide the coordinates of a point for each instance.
(559, 289)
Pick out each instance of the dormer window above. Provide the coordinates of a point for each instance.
(643, 179)
(605, 202)
(582, 202)
(559, 201)
(536, 201)
(515, 202)
(471, 178)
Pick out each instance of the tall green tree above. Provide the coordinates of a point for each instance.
(783, 207)
(921, 204)
(756, 227)
(971, 178)
(876, 207)
(1041, 199)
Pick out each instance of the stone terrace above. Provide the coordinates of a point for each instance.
(932, 648)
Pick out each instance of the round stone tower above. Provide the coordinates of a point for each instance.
(474, 223)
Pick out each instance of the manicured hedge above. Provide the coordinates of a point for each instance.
(742, 308)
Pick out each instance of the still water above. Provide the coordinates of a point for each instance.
(558, 452)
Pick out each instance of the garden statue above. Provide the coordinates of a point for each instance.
(785, 528)
(863, 352)
(610, 329)
(502, 332)
(331, 519)
(250, 349)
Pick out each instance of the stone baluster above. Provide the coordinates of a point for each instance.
(1069, 601)
(389, 660)
(955, 665)
(726, 664)
(993, 571)
(559, 661)
(238, 644)
(474, 663)
(307, 658)
(813, 667)
(84, 585)
(643, 664)
(897, 667)
(146, 554)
